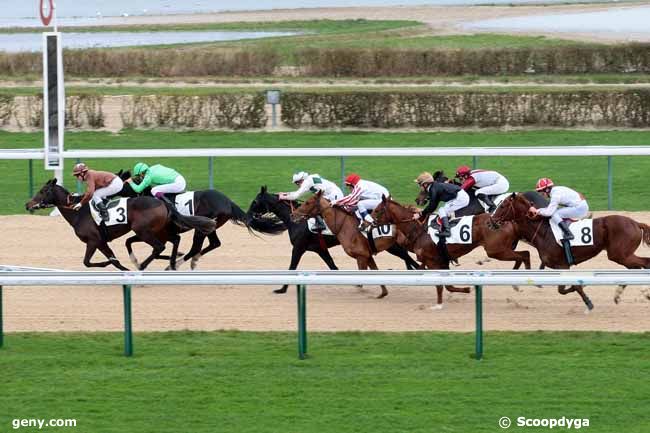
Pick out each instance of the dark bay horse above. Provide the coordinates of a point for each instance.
(496, 242)
(345, 226)
(302, 239)
(619, 235)
(210, 204)
(148, 217)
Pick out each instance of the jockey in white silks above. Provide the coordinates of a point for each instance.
(486, 182)
(564, 203)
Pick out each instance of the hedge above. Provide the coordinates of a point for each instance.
(436, 110)
(340, 62)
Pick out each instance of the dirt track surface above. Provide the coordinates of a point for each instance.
(41, 241)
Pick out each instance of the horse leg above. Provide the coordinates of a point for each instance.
(369, 262)
(403, 254)
(175, 239)
(197, 243)
(575, 288)
(157, 245)
(631, 262)
(213, 244)
(296, 255)
(129, 248)
(90, 250)
(110, 255)
(518, 257)
(327, 258)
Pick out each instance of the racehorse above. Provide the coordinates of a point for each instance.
(211, 204)
(345, 226)
(474, 207)
(151, 220)
(620, 236)
(498, 243)
(302, 239)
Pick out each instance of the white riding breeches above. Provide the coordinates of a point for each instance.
(175, 187)
(461, 200)
(578, 212)
(112, 188)
(365, 208)
(501, 186)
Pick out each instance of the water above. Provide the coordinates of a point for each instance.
(16, 42)
(24, 13)
(634, 20)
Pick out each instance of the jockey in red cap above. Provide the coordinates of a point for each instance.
(486, 182)
(565, 203)
(365, 196)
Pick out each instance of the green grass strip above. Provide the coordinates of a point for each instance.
(353, 382)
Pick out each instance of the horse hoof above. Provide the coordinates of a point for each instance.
(280, 291)
(617, 299)
(382, 295)
(590, 306)
(516, 288)
(436, 307)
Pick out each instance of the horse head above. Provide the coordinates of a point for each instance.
(391, 212)
(310, 208)
(49, 195)
(513, 208)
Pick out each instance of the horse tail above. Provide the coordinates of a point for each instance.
(645, 232)
(261, 225)
(202, 224)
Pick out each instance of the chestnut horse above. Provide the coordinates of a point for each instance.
(620, 236)
(345, 226)
(415, 237)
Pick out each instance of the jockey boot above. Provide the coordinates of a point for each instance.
(319, 226)
(488, 201)
(565, 229)
(445, 232)
(103, 212)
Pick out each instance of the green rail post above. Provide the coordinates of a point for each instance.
(128, 334)
(2, 338)
(474, 162)
(479, 322)
(343, 174)
(30, 167)
(610, 197)
(302, 321)
(211, 171)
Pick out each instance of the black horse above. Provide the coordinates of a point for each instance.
(302, 239)
(210, 204)
(151, 220)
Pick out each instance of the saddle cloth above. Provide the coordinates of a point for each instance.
(461, 229)
(583, 232)
(184, 202)
(117, 212)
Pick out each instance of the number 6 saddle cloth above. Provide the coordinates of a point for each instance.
(583, 233)
(117, 212)
(461, 229)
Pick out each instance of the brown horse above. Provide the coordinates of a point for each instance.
(345, 226)
(415, 237)
(620, 236)
(148, 217)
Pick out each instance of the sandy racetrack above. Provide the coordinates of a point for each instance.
(50, 242)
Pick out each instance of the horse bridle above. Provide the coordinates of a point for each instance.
(511, 208)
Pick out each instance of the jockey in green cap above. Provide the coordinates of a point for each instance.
(161, 179)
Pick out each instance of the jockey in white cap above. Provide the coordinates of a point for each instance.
(312, 183)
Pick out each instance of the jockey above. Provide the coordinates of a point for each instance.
(312, 183)
(565, 203)
(161, 179)
(486, 182)
(100, 184)
(365, 195)
(453, 195)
